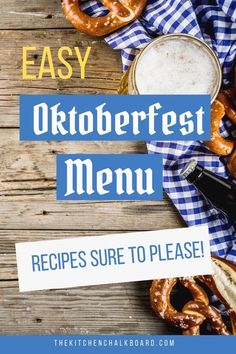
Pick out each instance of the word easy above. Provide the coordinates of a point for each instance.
(47, 64)
(109, 177)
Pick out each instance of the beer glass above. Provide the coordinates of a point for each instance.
(174, 64)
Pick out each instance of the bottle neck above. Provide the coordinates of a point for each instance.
(219, 192)
(200, 176)
(196, 174)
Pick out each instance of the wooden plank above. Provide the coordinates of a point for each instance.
(53, 215)
(8, 268)
(28, 168)
(105, 309)
(8, 238)
(33, 14)
(101, 60)
(27, 191)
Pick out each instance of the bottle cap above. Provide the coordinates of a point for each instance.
(188, 168)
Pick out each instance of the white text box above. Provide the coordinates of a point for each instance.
(114, 258)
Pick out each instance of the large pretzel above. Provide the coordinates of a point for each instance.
(160, 300)
(228, 99)
(120, 14)
(218, 144)
(224, 105)
(196, 311)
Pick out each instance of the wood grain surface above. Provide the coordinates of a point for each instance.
(28, 209)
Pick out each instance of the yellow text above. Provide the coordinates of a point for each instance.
(57, 66)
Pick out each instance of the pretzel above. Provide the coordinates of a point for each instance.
(209, 313)
(218, 144)
(231, 163)
(224, 105)
(120, 14)
(228, 98)
(160, 301)
(198, 310)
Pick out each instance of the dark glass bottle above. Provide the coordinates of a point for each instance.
(220, 192)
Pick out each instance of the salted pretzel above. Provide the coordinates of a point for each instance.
(198, 310)
(209, 313)
(228, 98)
(160, 301)
(120, 14)
(225, 104)
(218, 144)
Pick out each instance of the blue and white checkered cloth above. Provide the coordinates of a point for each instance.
(214, 21)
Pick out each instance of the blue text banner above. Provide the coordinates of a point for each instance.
(109, 177)
(114, 117)
(138, 344)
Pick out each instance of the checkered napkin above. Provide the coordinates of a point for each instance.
(215, 22)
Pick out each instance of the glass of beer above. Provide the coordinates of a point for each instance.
(174, 64)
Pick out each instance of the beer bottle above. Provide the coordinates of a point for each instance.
(220, 192)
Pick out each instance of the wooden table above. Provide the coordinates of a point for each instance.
(28, 209)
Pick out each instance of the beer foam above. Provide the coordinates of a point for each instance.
(176, 66)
